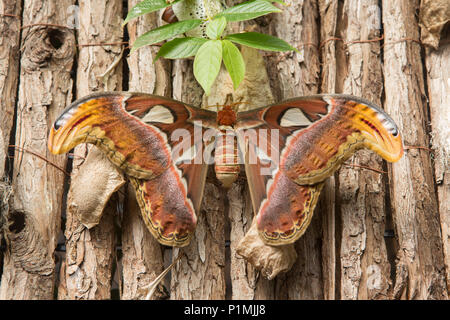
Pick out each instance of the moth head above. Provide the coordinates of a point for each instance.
(227, 114)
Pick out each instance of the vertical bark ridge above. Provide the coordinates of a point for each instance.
(437, 66)
(330, 243)
(90, 255)
(364, 265)
(143, 258)
(420, 272)
(45, 88)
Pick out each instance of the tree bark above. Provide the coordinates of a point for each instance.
(420, 270)
(88, 268)
(295, 74)
(45, 88)
(199, 274)
(246, 281)
(143, 258)
(9, 72)
(298, 75)
(244, 277)
(146, 76)
(344, 254)
(326, 206)
(437, 66)
(365, 268)
(9, 78)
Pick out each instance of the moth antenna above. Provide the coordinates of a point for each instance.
(235, 105)
(214, 106)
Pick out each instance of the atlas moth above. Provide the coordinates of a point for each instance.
(165, 146)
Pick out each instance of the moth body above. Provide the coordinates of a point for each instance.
(226, 157)
(226, 161)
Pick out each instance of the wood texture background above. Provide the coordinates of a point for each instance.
(376, 234)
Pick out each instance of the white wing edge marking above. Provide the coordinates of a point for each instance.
(294, 117)
(159, 114)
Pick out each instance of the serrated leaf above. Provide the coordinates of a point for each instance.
(180, 48)
(234, 62)
(147, 6)
(207, 63)
(165, 32)
(248, 10)
(215, 28)
(260, 41)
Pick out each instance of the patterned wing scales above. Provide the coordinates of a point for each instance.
(316, 152)
(102, 120)
(313, 137)
(138, 134)
(284, 208)
(287, 212)
(166, 210)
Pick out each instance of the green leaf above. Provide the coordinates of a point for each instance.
(248, 10)
(277, 1)
(180, 48)
(260, 41)
(165, 32)
(146, 6)
(215, 28)
(234, 62)
(207, 63)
